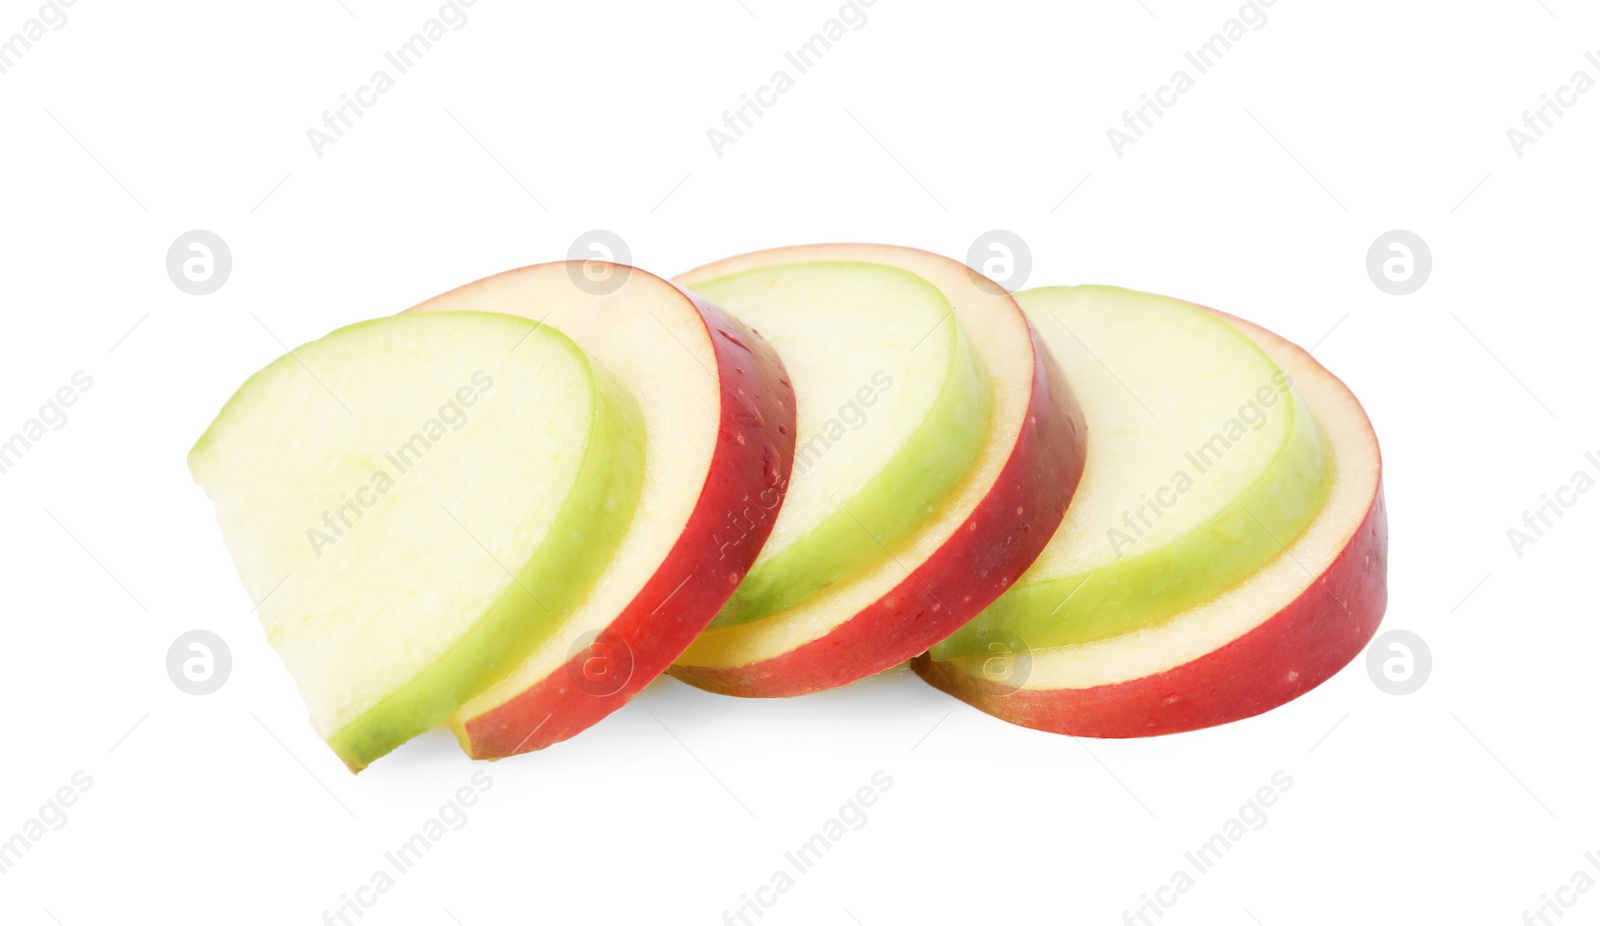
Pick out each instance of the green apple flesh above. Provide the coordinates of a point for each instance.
(417, 502)
(891, 412)
(1203, 463)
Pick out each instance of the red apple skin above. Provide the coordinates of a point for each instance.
(992, 548)
(749, 474)
(1287, 655)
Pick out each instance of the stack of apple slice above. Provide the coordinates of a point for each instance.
(511, 507)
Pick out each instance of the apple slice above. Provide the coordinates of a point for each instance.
(1279, 633)
(1204, 462)
(719, 423)
(892, 411)
(958, 545)
(414, 502)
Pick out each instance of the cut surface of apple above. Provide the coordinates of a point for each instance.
(719, 422)
(892, 409)
(416, 503)
(1203, 462)
(965, 543)
(1282, 631)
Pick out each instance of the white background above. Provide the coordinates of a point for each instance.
(1259, 193)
